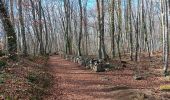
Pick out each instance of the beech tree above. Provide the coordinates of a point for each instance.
(129, 26)
(164, 19)
(85, 21)
(113, 26)
(81, 24)
(67, 27)
(22, 28)
(100, 12)
(9, 29)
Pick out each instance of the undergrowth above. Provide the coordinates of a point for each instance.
(40, 82)
(25, 81)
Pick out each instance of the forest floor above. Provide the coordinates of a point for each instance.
(25, 79)
(75, 82)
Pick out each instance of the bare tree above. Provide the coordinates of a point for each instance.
(164, 17)
(22, 27)
(9, 29)
(113, 26)
(100, 12)
(81, 24)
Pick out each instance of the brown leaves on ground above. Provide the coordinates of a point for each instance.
(74, 82)
(17, 83)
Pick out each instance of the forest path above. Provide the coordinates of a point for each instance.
(77, 83)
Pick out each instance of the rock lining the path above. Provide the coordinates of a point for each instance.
(97, 65)
(77, 83)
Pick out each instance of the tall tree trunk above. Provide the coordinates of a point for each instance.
(21, 19)
(35, 27)
(85, 26)
(164, 17)
(100, 11)
(102, 30)
(137, 33)
(9, 29)
(68, 38)
(99, 27)
(12, 11)
(42, 51)
(113, 26)
(119, 15)
(46, 31)
(81, 24)
(130, 29)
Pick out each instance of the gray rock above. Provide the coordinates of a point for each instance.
(87, 66)
(138, 77)
(74, 59)
(91, 66)
(71, 58)
(86, 60)
(106, 69)
(80, 61)
(98, 68)
(66, 57)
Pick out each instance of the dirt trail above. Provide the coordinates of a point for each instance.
(77, 83)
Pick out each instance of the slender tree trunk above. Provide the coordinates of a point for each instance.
(130, 30)
(100, 11)
(99, 27)
(102, 30)
(113, 27)
(137, 34)
(12, 11)
(164, 17)
(119, 15)
(85, 26)
(22, 28)
(81, 24)
(46, 31)
(42, 51)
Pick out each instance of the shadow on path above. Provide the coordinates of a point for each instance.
(77, 83)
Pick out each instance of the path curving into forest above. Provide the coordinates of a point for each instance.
(74, 82)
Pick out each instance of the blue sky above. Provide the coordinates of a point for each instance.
(91, 3)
